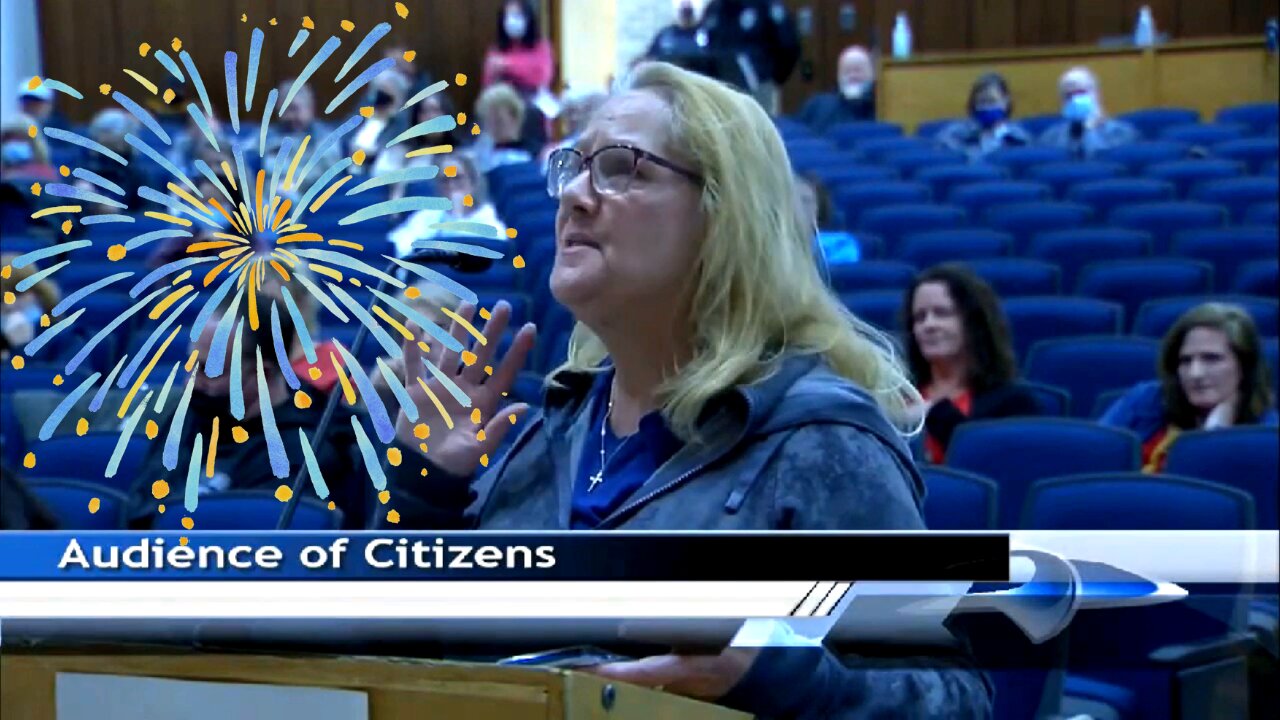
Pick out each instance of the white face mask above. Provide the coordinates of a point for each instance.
(515, 25)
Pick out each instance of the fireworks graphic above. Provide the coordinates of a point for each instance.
(255, 229)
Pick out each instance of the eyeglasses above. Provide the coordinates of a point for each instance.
(611, 168)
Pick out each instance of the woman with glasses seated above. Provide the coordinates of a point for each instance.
(712, 383)
(468, 193)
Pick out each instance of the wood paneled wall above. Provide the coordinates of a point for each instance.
(960, 25)
(88, 42)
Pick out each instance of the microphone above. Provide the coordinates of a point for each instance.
(1077, 138)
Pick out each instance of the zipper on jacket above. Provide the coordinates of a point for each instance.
(681, 478)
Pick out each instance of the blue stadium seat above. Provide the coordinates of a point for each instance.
(1023, 220)
(837, 176)
(1019, 159)
(880, 308)
(1017, 452)
(958, 500)
(1136, 501)
(1155, 317)
(1242, 457)
(69, 501)
(872, 275)
(875, 149)
(1062, 175)
(1133, 282)
(1271, 169)
(1152, 121)
(1257, 277)
(35, 376)
(1258, 116)
(1226, 248)
(1204, 134)
(1263, 213)
(86, 458)
(801, 146)
(1088, 366)
(1138, 155)
(930, 128)
(1187, 174)
(1032, 319)
(1052, 401)
(1237, 194)
(897, 221)
(911, 162)
(1106, 399)
(1163, 219)
(943, 178)
(811, 159)
(856, 199)
(1271, 350)
(977, 197)
(850, 134)
(930, 248)
(1254, 152)
(1072, 249)
(1012, 277)
(251, 510)
(1107, 195)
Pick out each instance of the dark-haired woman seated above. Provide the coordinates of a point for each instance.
(960, 355)
(1212, 375)
(989, 126)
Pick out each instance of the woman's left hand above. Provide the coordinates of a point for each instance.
(702, 677)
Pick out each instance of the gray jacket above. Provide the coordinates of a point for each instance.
(802, 449)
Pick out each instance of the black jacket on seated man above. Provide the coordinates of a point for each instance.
(826, 110)
(754, 41)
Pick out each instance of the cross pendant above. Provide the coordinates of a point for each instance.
(595, 480)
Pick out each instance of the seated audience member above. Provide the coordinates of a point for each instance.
(246, 465)
(834, 244)
(712, 362)
(297, 122)
(684, 42)
(989, 127)
(960, 354)
(418, 77)
(501, 114)
(1086, 129)
(468, 192)
(521, 58)
(172, 249)
(433, 106)
(23, 157)
(576, 108)
(387, 93)
(39, 105)
(854, 98)
(19, 508)
(191, 143)
(20, 318)
(430, 302)
(1212, 374)
(109, 128)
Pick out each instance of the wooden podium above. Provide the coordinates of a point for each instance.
(397, 689)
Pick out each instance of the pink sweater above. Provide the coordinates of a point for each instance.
(529, 69)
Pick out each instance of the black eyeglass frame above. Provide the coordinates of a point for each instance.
(638, 154)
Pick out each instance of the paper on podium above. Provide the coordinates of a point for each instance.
(115, 697)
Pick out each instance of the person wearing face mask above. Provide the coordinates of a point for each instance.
(22, 156)
(501, 113)
(242, 460)
(387, 93)
(521, 58)
(988, 127)
(854, 98)
(1086, 129)
(1212, 374)
(960, 355)
(468, 193)
(109, 128)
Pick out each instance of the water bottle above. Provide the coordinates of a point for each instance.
(901, 37)
(1144, 34)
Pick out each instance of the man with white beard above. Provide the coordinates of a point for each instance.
(854, 98)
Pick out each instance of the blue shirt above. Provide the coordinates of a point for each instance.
(629, 461)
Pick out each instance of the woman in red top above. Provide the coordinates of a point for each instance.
(521, 56)
(960, 355)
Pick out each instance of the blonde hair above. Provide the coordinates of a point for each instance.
(499, 96)
(757, 293)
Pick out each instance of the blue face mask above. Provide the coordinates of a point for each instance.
(990, 117)
(1079, 107)
(16, 152)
